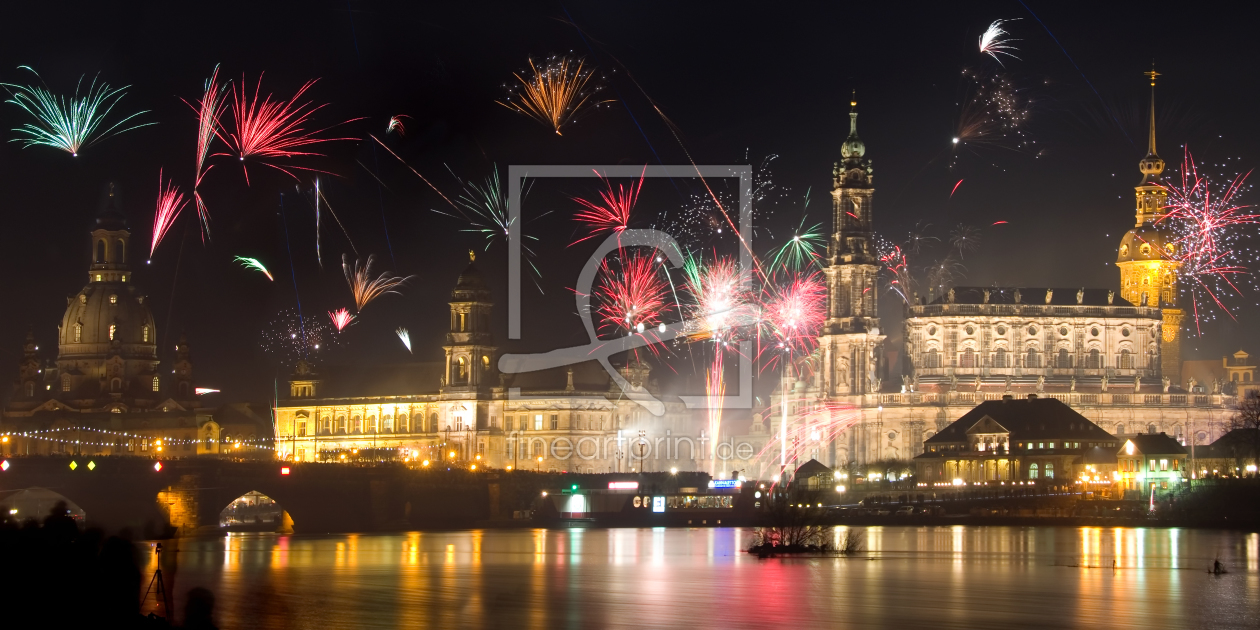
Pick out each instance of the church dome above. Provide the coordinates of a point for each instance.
(108, 314)
(1148, 242)
(471, 286)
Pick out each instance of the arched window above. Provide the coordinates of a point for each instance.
(999, 358)
(968, 359)
(1246, 377)
(144, 333)
(65, 383)
(1126, 360)
(115, 385)
(1033, 360)
(1094, 361)
(371, 424)
(1150, 428)
(30, 389)
(157, 383)
(326, 426)
(1120, 429)
(119, 252)
(485, 362)
(100, 251)
(387, 424)
(932, 359)
(402, 424)
(1032, 470)
(1065, 360)
(78, 333)
(357, 425)
(1049, 470)
(301, 427)
(433, 423)
(461, 369)
(341, 424)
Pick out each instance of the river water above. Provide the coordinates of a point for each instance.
(908, 577)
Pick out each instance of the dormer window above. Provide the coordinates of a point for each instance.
(78, 333)
(144, 334)
(113, 299)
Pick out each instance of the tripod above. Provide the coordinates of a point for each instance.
(157, 586)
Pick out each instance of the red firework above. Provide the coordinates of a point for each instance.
(793, 312)
(209, 109)
(273, 128)
(169, 202)
(613, 215)
(633, 297)
(1205, 222)
(341, 318)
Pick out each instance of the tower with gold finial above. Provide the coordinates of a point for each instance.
(1148, 256)
(851, 343)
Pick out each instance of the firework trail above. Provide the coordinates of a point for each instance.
(413, 170)
(994, 114)
(319, 255)
(1207, 225)
(396, 124)
(815, 427)
(169, 203)
(341, 318)
(632, 297)
(555, 93)
(209, 109)
(291, 338)
(319, 196)
(70, 124)
(404, 336)
(364, 288)
(253, 263)
(994, 41)
(951, 193)
(487, 214)
(613, 215)
(272, 129)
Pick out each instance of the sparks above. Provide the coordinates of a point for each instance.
(209, 109)
(272, 129)
(793, 312)
(69, 124)
(485, 209)
(613, 215)
(253, 263)
(169, 202)
(202, 391)
(341, 318)
(993, 42)
(364, 288)
(404, 336)
(396, 124)
(951, 193)
(555, 93)
(632, 295)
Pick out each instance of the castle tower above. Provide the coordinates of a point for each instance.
(1148, 258)
(851, 343)
(469, 353)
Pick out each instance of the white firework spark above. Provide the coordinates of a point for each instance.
(994, 42)
(405, 337)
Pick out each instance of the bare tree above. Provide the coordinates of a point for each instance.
(1244, 428)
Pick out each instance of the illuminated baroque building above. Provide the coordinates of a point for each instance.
(462, 411)
(104, 393)
(1111, 355)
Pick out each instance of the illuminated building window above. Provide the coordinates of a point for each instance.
(1049, 470)
(156, 383)
(1126, 360)
(65, 383)
(301, 427)
(357, 425)
(371, 424)
(113, 299)
(1032, 471)
(402, 423)
(387, 424)
(144, 333)
(113, 328)
(538, 422)
(508, 423)
(98, 277)
(78, 333)
(341, 424)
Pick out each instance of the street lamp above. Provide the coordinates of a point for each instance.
(539, 469)
(642, 446)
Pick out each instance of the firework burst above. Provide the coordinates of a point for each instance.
(485, 208)
(396, 125)
(272, 129)
(802, 249)
(793, 312)
(994, 41)
(209, 109)
(169, 203)
(255, 264)
(632, 296)
(1208, 227)
(900, 281)
(70, 124)
(555, 93)
(291, 337)
(404, 336)
(993, 114)
(341, 318)
(964, 238)
(366, 289)
(613, 214)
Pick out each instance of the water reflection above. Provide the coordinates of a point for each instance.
(908, 576)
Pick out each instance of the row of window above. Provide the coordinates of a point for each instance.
(355, 424)
(115, 385)
(1135, 465)
(968, 358)
(113, 329)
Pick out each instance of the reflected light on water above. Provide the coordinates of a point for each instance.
(962, 577)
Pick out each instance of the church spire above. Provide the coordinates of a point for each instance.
(1151, 166)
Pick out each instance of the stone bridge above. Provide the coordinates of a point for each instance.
(187, 495)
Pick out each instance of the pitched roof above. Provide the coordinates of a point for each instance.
(1026, 419)
(1157, 444)
(1235, 444)
(811, 468)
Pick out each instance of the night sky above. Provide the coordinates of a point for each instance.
(740, 82)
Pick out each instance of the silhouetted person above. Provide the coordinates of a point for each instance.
(1216, 566)
(199, 611)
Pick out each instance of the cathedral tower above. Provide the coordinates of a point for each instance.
(469, 353)
(851, 344)
(1148, 258)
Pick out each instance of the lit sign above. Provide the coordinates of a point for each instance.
(158, 467)
(724, 483)
(658, 504)
(623, 485)
(284, 470)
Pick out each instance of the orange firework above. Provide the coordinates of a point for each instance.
(555, 93)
